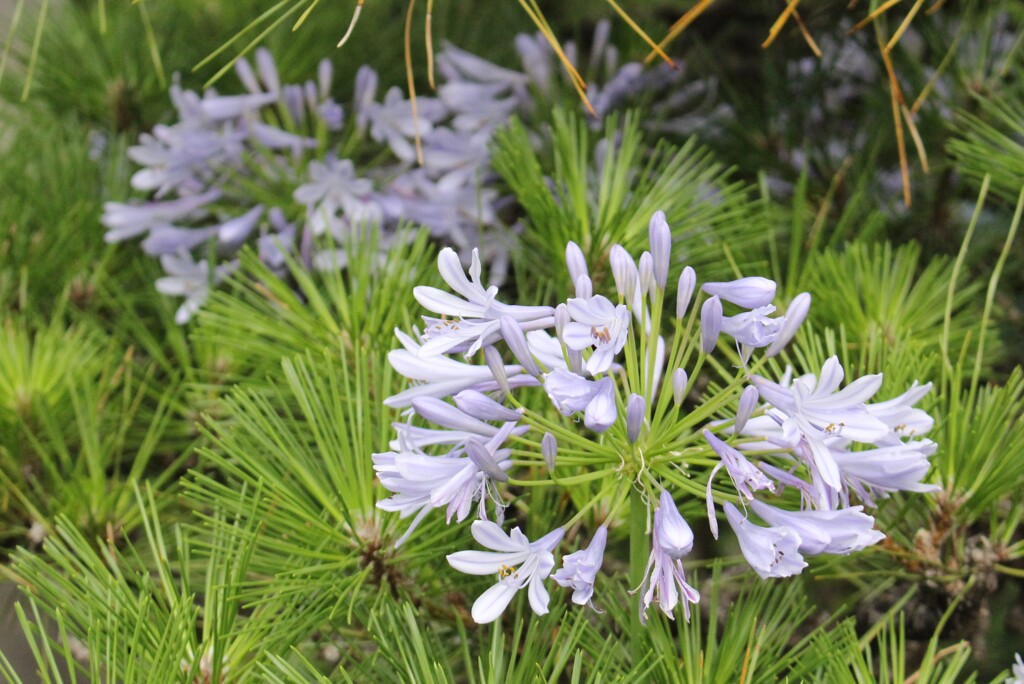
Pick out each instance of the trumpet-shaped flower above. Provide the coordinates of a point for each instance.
(877, 472)
(840, 532)
(664, 577)
(598, 323)
(822, 411)
(479, 311)
(770, 551)
(571, 393)
(515, 560)
(421, 482)
(441, 376)
(579, 570)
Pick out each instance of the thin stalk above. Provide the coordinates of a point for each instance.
(637, 560)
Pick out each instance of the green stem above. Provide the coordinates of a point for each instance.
(637, 561)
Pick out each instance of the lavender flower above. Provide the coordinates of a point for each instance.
(665, 578)
(597, 323)
(516, 561)
(839, 532)
(770, 551)
(571, 394)
(579, 570)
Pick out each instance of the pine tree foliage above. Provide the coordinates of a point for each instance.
(199, 503)
(603, 192)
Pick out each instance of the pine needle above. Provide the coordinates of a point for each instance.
(808, 38)
(773, 33)
(677, 28)
(429, 37)
(896, 97)
(643, 34)
(302, 18)
(904, 25)
(533, 11)
(916, 137)
(877, 12)
(351, 24)
(412, 84)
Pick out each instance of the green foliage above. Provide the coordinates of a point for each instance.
(887, 303)
(603, 192)
(270, 561)
(78, 422)
(992, 142)
(263, 318)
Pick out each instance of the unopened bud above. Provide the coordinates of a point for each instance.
(679, 381)
(795, 315)
(748, 402)
(635, 409)
(624, 272)
(549, 449)
(684, 293)
(710, 324)
(575, 261)
(646, 272)
(584, 288)
(562, 319)
(516, 341)
(479, 405)
(661, 247)
(497, 367)
(483, 459)
(749, 293)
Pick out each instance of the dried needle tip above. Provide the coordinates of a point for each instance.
(352, 24)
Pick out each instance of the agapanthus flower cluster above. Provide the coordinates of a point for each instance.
(275, 167)
(620, 370)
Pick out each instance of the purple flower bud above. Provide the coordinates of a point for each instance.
(479, 405)
(324, 75)
(247, 76)
(562, 318)
(235, 230)
(679, 381)
(661, 247)
(575, 261)
(549, 449)
(687, 284)
(516, 341)
(483, 459)
(584, 288)
(624, 272)
(447, 416)
(795, 315)
(675, 537)
(749, 293)
(646, 273)
(497, 367)
(710, 324)
(635, 409)
(268, 72)
(748, 402)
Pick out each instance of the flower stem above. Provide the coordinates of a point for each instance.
(638, 552)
